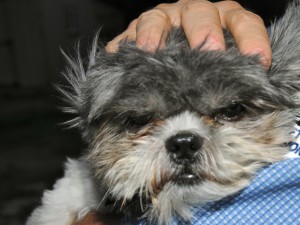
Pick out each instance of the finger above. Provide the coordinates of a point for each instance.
(152, 29)
(173, 11)
(201, 24)
(128, 34)
(250, 34)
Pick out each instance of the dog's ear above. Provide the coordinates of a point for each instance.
(285, 42)
(72, 93)
(91, 85)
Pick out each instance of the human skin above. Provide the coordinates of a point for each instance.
(201, 21)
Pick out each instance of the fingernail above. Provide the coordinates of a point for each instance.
(111, 49)
(213, 45)
(148, 46)
(265, 61)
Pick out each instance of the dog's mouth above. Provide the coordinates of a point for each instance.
(186, 177)
(181, 177)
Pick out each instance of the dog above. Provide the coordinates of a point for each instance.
(175, 128)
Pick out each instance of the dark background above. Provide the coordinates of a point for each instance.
(33, 144)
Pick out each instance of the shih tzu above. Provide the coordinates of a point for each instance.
(175, 128)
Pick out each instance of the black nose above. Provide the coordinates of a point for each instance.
(184, 146)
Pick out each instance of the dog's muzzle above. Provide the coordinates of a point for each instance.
(183, 149)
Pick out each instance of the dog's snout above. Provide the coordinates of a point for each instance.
(184, 145)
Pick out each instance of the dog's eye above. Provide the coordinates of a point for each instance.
(135, 122)
(231, 113)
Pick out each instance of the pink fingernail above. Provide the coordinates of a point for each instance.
(212, 45)
(149, 46)
(265, 61)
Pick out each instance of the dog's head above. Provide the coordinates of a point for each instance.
(181, 127)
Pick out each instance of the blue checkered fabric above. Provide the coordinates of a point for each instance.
(273, 198)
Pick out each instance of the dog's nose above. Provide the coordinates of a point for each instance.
(183, 146)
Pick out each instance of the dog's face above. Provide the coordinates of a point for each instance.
(179, 127)
(192, 127)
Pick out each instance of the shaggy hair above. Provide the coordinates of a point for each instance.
(132, 104)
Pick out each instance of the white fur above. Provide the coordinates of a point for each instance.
(72, 197)
(186, 121)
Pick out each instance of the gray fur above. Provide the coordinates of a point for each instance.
(285, 42)
(170, 86)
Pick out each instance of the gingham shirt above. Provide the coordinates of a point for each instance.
(273, 197)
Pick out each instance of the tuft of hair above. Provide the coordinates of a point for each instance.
(76, 73)
(285, 43)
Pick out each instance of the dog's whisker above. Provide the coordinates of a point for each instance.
(104, 198)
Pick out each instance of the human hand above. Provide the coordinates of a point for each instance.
(201, 21)
(94, 218)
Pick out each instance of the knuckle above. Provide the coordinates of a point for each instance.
(133, 23)
(114, 42)
(110, 46)
(245, 16)
(197, 5)
(163, 6)
(154, 13)
(230, 4)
